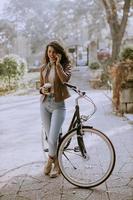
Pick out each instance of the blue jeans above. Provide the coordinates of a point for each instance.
(52, 115)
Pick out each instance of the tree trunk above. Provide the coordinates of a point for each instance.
(116, 44)
(117, 27)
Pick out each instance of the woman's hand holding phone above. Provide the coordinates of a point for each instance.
(58, 58)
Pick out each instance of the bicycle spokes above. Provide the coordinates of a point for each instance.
(91, 154)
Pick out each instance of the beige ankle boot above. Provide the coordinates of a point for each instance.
(48, 166)
(55, 170)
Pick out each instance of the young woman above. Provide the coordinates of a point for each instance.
(54, 72)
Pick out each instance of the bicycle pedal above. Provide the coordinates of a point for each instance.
(76, 149)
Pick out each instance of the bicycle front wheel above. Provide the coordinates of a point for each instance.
(93, 168)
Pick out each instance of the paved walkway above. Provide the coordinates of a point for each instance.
(27, 182)
(28, 185)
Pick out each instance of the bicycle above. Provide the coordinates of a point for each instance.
(86, 155)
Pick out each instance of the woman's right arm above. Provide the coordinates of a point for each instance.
(41, 79)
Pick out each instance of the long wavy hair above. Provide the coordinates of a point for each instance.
(59, 50)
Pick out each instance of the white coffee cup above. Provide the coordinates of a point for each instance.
(47, 87)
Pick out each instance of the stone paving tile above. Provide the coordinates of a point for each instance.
(37, 187)
(28, 185)
(27, 182)
(75, 193)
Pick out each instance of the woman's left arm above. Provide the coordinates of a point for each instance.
(64, 74)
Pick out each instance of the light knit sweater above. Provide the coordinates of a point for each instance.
(51, 76)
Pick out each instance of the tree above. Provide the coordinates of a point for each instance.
(75, 17)
(117, 26)
(65, 20)
(12, 68)
(32, 18)
(7, 34)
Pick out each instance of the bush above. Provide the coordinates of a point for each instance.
(12, 67)
(104, 78)
(127, 53)
(94, 65)
(21, 64)
(1, 67)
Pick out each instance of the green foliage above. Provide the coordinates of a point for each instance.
(104, 78)
(94, 65)
(127, 53)
(12, 68)
(2, 69)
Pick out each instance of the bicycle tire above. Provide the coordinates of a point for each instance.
(90, 171)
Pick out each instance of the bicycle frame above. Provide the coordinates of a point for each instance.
(76, 123)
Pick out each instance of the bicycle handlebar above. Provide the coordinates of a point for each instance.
(74, 88)
(69, 85)
(82, 94)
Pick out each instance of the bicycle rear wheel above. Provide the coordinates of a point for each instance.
(92, 169)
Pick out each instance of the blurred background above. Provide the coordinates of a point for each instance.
(82, 26)
(96, 34)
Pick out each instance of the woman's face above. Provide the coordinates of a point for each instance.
(52, 54)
